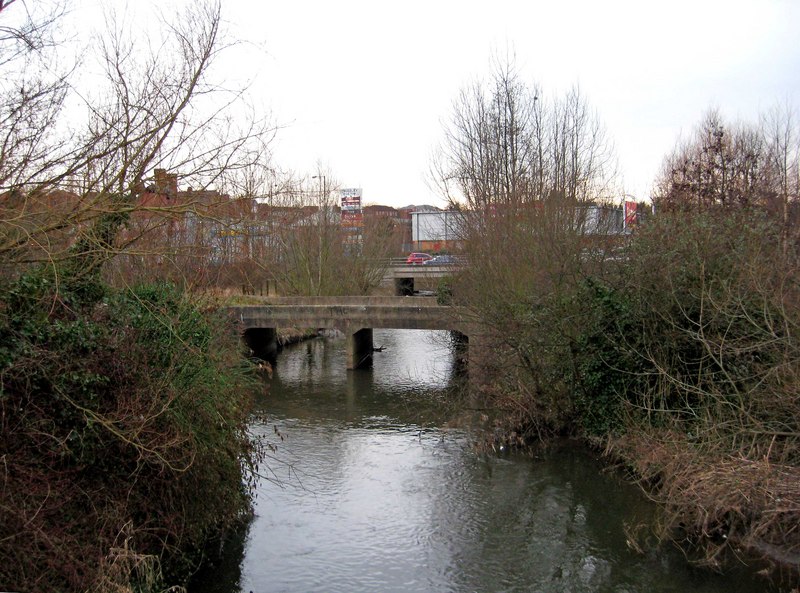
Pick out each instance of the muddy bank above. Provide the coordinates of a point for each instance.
(720, 508)
(293, 335)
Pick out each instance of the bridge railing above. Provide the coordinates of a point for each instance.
(349, 301)
(400, 262)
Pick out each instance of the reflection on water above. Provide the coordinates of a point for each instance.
(370, 494)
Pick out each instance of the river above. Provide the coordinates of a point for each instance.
(371, 489)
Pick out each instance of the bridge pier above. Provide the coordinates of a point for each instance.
(460, 343)
(359, 349)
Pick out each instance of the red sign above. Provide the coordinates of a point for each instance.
(630, 214)
(352, 219)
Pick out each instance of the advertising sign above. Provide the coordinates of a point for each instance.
(630, 214)
(351, 199)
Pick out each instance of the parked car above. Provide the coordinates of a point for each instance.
(441, 260)
(418, 258)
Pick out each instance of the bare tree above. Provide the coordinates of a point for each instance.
(525, 171)
(488, 148)
(30, 28)
(722, 165)
(153, 109)
(581, 162)
(75, 160)
(739, 165)
(506, 144)
(781, 129)
(313, 253)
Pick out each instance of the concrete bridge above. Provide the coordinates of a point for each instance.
(403, 275)
(354, 316)
(395, 271)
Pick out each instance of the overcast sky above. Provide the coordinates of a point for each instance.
(363, 87)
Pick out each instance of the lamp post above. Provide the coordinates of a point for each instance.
(322, 184)
(322, 211)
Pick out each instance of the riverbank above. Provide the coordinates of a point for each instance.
(293, 335)
(118, 407)
(721, 508)
(679, 355)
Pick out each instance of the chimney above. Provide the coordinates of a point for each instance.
(166, 183)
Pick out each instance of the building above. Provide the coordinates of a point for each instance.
(434, 231)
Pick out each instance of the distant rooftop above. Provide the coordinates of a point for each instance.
(421, 208)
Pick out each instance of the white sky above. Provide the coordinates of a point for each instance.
(363, 87)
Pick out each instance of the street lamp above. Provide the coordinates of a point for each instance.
(321, 184)
(323, 210)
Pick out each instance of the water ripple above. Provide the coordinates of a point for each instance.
(372, 495)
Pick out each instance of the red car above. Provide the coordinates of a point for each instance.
(417, 258)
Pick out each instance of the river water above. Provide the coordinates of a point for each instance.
(371, 489)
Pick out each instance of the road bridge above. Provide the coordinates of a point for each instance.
(356, 317)
(395, 271)
(403, 274)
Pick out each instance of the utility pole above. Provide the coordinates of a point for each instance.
(321, 212)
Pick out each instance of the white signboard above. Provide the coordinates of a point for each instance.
(436, 226)
(351, 199)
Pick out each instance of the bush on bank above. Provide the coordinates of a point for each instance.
(122, 433)
(681, 357)
(713, 416)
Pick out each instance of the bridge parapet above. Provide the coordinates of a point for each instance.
(322, 301)
(421, 271)
(412, 314)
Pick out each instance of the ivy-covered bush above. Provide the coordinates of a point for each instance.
(688, 364)
(122, 434)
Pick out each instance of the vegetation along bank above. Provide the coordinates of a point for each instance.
(673, 347)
